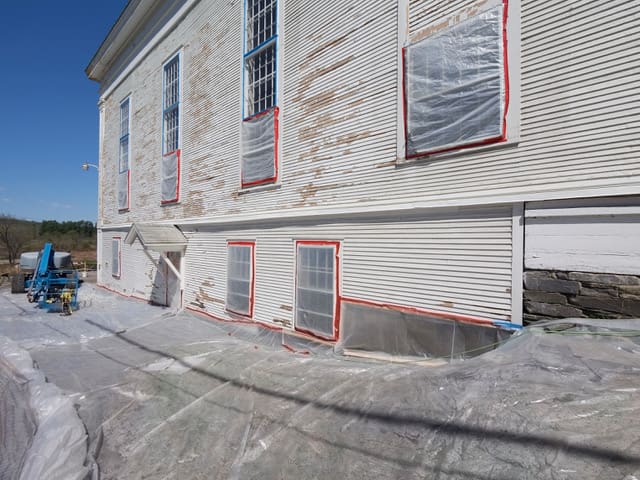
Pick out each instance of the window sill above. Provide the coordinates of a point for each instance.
(259, 188)
(404, 161)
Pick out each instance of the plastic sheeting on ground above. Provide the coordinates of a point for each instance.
(42, 435)
(181, 396)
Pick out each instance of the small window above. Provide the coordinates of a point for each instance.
(240, 277)
(116, 256)
(456, 86)
(171, 131)
(123, 169)
(260, 123)
(317, 288)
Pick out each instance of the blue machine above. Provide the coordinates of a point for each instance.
(53, 289)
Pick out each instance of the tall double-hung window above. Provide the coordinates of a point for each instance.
(171, 92)
(317, 288)
(259, 163)
(124, 180)
(456, 83)
(240, 277)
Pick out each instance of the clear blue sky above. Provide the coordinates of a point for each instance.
(49, 113)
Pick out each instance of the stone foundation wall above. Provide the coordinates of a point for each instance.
(552, 294)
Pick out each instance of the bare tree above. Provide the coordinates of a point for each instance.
(14, 235)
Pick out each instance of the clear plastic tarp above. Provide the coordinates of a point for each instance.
(123, 190)
(239, 279)
(41, 434)
(315, 292)
(168, 395)
(170, 176)
(259, 148)
(455, 85)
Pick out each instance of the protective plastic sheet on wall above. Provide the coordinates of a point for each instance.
(315, 292)
(259, 148)
(123, 190)
(455, 85)
(170, 176)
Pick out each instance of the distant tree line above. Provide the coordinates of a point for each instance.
(82, 228)
(17, 236)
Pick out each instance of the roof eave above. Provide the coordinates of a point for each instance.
(125, 26)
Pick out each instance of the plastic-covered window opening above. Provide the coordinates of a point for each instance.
(317, 309)
(123, 169)
(260, 149)
(240, 277)
(456, 86)
(259, 161)
(170, 169)
(116, 256)
(170, 188)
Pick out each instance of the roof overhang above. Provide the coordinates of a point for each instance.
(118, 37)
(160, 238)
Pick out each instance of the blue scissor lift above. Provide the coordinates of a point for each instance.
(53, 289)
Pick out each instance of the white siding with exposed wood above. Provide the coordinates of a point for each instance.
(454, 261)
(339, 121)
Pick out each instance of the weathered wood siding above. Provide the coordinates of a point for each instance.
(457, 262)
(584, 236)
(338, 98)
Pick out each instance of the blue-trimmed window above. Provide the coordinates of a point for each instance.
(124, 154)
(171, 106)
(259, 162)
(261, 35)
(124, 135)
(170, 187)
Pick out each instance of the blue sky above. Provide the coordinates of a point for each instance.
(49, 120)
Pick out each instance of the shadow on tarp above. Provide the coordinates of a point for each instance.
(451, 428)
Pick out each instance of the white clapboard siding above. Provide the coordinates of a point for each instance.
(338, 94)
(457, 263)
(595, 236)
(138, 272)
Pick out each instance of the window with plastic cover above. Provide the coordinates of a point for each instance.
(456, 84)
(240, 278)
(123, 169)
(170, 168)
(316, 288)
(115, 257)
(260, 118)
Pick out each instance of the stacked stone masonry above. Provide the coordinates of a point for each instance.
(553, 294)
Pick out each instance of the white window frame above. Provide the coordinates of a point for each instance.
(335, 283)
(250, 280)
(407, 37)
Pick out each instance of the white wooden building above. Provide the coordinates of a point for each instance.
(313, 164)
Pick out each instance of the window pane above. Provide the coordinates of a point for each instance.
(239, 274)
(315, 288)
(455, 85)
(260, 22)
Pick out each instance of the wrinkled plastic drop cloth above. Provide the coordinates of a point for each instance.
(177, 396)
(42, 435)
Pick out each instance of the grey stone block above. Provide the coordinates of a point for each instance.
(604, 278)
(545, 297)
(534, 282)
(599, 292)
(552, 310)
(617, 305)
